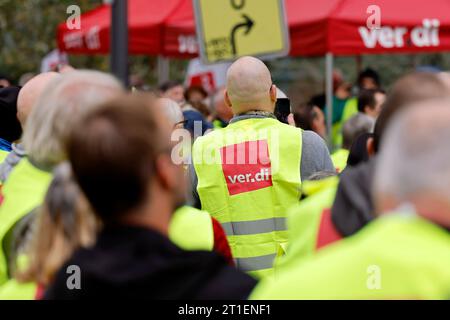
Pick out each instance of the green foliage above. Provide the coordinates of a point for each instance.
(28, 33)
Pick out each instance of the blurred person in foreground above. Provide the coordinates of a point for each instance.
(121, 158)
(65, 99)
(190, 228)
(27, 98)
(249, 191)
(48, 237)
(404, 253)
(342, 207)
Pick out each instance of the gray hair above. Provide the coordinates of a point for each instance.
(63, 102)
(355, 126)
(171, 110)
(414, 156)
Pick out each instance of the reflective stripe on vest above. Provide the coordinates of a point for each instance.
(241, 228)
(250, 181)
(255, 263)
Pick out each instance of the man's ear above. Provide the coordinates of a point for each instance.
(370, 145)
(273, 93)
(291, 120)
(165, 171)
(227, 99)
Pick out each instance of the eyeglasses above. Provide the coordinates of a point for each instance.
(176, 125)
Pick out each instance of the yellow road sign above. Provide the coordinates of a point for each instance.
(228, 29)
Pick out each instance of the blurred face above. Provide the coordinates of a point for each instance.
(368, 83)
(4, 83)
(196, 96)
(172, 175)
(379, 100)
(176, 94)
(318, 123)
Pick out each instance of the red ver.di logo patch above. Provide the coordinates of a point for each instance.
(246, 166)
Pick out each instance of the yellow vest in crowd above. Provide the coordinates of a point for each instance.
(192, 229)
(339, 159)
(22, 192)
(350, 109)
(400, 256)
(248, 177)
(304, 220)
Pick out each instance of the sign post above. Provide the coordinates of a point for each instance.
(229, 29)
(119, 40)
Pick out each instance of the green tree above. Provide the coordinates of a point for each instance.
(28, 33)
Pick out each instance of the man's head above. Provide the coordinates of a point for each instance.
(195, 94)
(310, 117)
(31, 92)
(410, 89)
(354, 127)
(121, 157)
(173, 90)
(370, 102)
(171, 111)
(250, 87)
(65, 99)
(413, 165)
(4, 81)
(368, 79)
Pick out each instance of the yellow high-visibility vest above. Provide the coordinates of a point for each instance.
(397, 256)
(13, 290)
(192, 229)
(339, 159)
(304, 221)
(22, 192)
(248, 177)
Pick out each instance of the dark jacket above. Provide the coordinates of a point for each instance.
(353, 206)
(10, 128)
(138, 263)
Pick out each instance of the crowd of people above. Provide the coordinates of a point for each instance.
(180, 193)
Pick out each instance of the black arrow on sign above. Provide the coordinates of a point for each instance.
(248, 25)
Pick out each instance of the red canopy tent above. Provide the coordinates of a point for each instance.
(317, 28)
(167, 27)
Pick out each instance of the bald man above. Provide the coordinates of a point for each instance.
(248, 174)
(26, 99)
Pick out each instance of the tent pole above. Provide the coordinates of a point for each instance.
(163, 69)
(119, 40)
(329, 95)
